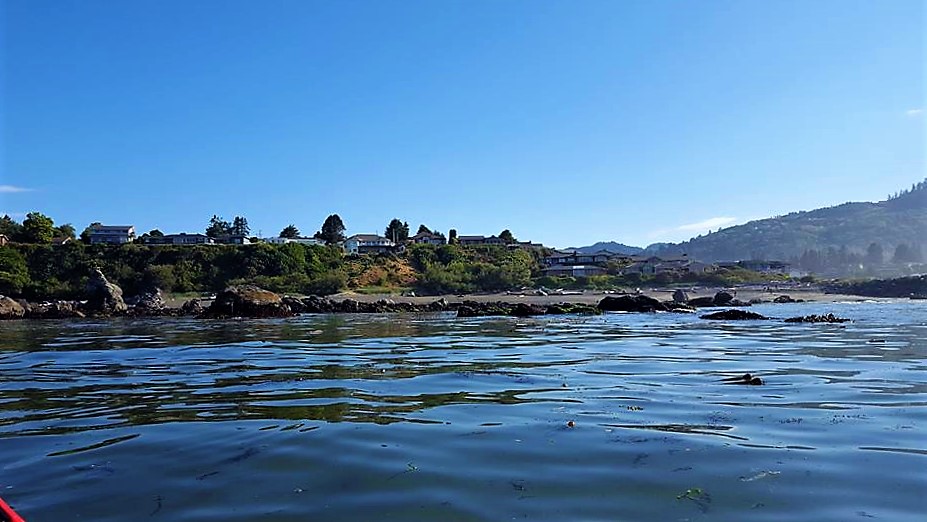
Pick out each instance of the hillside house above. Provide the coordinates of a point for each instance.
(4, 239)
(180, 239)
(479, 240)
(298, 240)
(233, 239)
(112, 234)
(574, 271)
(570, 257)
(368, 244)
(428, 238)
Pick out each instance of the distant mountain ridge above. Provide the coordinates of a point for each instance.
(901, 219)
(609, 246)
(853, 227)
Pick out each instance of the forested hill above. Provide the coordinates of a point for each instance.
(851, 227)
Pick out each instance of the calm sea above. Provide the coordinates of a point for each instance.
(430, 417)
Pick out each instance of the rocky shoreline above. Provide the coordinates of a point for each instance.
(104, 299)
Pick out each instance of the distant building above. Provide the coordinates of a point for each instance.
(368, 244)
(180, 239)
(765, 267)
(428, 238)
(574, 270)
(569, 257)
(479, 240)
(62, 240)
(4, 239)
(300, 240)
(112, 234)
(233, 239)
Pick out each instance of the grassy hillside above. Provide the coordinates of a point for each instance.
(851, 226)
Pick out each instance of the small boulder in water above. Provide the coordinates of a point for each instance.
(826, 318)
(734, 315)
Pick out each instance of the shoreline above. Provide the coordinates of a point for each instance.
(249, 301)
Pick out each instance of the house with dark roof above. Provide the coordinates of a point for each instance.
(572, 257)
(428, 238)
(368, 244)
(574, 270)
(479, 240)
(180, 239)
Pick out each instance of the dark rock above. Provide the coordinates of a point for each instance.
(104, 297)
(10, 309)
(296, 305)
(722, 298)
(192, 307)
(526, 310)
(572, 308)
(679, 308)
(438, 306)
(680, 296)
(737, 303)
(54, 310)
(149, 301)
(702, 302)
(631, 303)
(733, 315)
(826, 318)
(783, 299)
(248, 301)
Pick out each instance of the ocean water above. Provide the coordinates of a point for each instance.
(430, 417)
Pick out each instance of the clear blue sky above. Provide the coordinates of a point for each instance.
(566, 121)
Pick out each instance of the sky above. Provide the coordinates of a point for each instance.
(567, 122)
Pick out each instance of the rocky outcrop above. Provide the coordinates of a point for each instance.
(826, 318)
(680, 296)
(475, 309)
(55, 310)
(572, 308)
(734, 315)
(721, 298)
(248, 301)
(702, 302)
(191, 307)
(103, 297)
(10, 309)
(150, 301)
(631, 303)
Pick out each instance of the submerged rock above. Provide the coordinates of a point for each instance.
(248, 301)
(734, 315)
(631, 303)
(826, 318)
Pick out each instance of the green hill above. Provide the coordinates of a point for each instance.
(848, 229)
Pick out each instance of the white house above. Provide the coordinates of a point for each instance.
(368, 244)
(112, 234)
(299, 240)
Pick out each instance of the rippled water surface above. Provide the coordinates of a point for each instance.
(619, 417)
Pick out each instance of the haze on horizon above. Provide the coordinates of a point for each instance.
(566, 122)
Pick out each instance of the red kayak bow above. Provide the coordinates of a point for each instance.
(7, 514)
